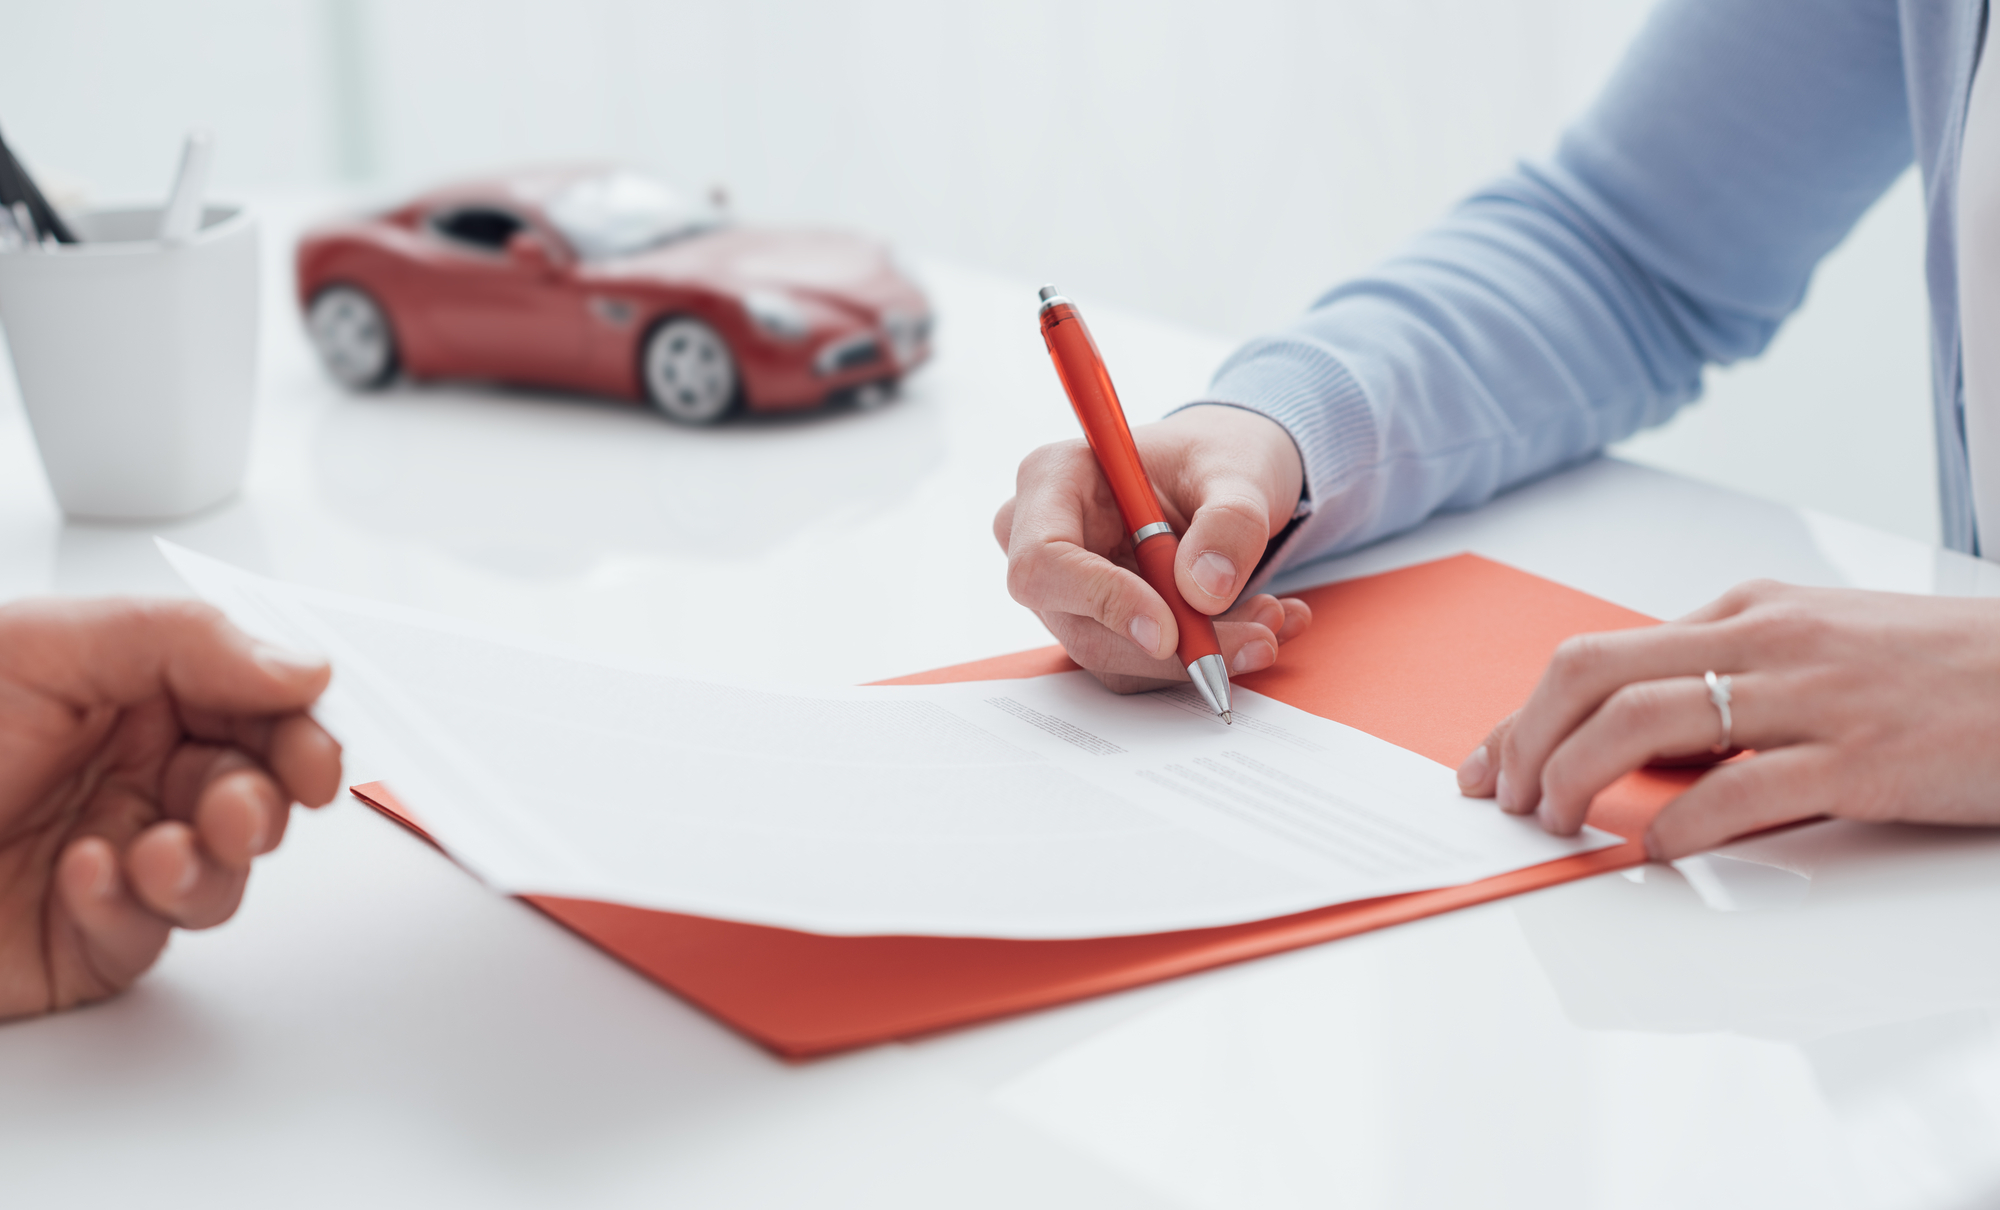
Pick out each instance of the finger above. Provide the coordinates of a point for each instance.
(1248, 634)
(1003, 523)
(1246, 647)
(305, 759)
(1064, 522)
(117, 939)
(1061, 578)
(189, 770)
(1222, 544)
(1298, 619)
(125, 651)
(1736, 600)
(1642, 723)
(241, 817)
(1479, 774)
(1731, 800)
(1102, 650)
(1585, 671)
(295, 748)
(176, 880)
(1264, 609)
(195, 771)
(1252, 631)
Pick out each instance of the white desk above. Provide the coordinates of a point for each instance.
(375, 1029)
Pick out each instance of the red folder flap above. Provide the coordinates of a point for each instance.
(1428, 657)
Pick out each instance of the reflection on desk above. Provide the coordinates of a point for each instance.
(552, 486)
(1883, 975)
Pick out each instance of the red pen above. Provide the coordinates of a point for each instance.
(1081, 368)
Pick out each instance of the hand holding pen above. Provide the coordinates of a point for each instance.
(1227, 481)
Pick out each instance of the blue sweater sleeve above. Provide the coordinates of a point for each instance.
(1577, 300)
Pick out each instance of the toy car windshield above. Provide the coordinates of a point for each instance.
(621, 213)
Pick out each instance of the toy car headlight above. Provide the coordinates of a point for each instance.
(778, 314)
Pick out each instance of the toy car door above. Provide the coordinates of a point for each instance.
(498, 298)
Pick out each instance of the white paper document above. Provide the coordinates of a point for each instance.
(1037, 808)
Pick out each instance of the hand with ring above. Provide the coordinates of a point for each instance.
(1859, 705)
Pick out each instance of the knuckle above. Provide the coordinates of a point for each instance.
(1003, 524)
(1049, 461)
(1236, 510)
(1025, 571)
(1574, 657)
(1747, 593)
(1562, 781)
(1752, 593)
(1785, 629)
(1105, 595)
(1637, 707)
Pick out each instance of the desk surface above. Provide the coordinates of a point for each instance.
(374, 1028)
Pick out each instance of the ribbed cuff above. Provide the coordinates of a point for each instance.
(1310, 393)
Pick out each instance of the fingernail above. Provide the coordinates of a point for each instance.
(1473, 771)
(285, 663)
(1215, 573)
(105, 884)
(1253, 656)
(257, 837)
(1145, 632)
(1504, 794)
(188, 876)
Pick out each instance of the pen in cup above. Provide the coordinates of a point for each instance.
(23, 198)
(181, 217)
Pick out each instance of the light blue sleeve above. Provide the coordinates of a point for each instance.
(1577, 300)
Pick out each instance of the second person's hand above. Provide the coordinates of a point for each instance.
(1229, 480)
(1859, 705)
(149, 754)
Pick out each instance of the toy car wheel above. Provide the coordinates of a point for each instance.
(871, 395)
(353, 337)
(690, 375)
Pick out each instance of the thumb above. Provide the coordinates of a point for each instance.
(120, 652)
(1222, 545)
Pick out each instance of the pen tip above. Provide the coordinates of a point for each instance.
(1046, 293)
(1229, 718)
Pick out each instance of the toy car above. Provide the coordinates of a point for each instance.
(601, 280)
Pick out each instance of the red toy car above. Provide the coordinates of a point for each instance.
(602, 280)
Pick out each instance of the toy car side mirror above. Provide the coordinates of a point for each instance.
(527, 250)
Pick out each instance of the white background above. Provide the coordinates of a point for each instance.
(1213, 165)
(374, 1028)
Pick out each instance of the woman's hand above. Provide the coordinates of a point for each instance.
(1229, 480)
(148, 752)
(1862, 705)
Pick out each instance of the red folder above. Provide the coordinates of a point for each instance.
(1428, 657)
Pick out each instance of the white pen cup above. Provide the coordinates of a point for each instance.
(137, 360)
